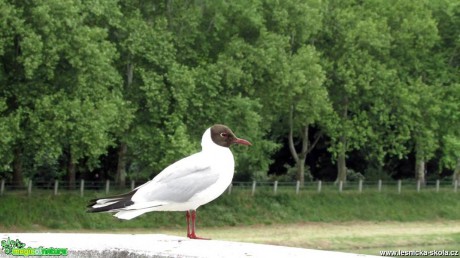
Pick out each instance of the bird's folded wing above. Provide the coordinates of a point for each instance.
(179, 182)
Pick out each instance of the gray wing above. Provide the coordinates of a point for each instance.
(179, 182)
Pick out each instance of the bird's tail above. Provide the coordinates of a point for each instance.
(112, 203)
(129, 214)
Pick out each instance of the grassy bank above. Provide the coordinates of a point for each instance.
(67, 211)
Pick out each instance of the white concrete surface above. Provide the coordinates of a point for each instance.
(156, 245)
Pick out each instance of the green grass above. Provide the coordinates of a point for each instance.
(66, 211)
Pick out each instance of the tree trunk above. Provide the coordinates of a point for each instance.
(419, 165)
(456, 175)
(420, 170)
(120, 178)
(341, 167)
(301, 171)
(17, 168)
(71, 174)
(303, 156)
(306, 147)
(341, 158)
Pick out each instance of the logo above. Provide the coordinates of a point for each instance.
(18, 248)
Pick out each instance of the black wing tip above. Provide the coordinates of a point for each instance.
(95, 210)
(91, 204)
(114, 206)
(123, 200)
(90, 208)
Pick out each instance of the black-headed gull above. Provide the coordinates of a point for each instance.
(184, 185)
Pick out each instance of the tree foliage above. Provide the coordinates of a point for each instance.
(138, 82)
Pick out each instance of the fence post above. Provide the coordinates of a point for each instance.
(360, 186)
(297, 187)
(340, 186)
(56, 186)
(275, 187)
(319, 186)
(107, 186)
(418, 186)
(437, 185)
(82, 187)
(379, 186)
(29, 188)
(253, 187)
(132, 184)
(229, 189)
(2, 187)
(399, 186)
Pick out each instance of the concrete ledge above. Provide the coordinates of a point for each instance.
(156, 245)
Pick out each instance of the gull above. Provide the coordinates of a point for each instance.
(182, 186)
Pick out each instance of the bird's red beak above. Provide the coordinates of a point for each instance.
(242, 141)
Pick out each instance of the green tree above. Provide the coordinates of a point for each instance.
(59, 78)
(370, 97)
(297, 86)
(9, 128)
(239, 57)
(414, 36)
(447, 15)
(353, 41)
(309, 104)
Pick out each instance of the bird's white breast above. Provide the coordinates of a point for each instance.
(223, 164)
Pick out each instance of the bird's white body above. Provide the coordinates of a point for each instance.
(184, 185)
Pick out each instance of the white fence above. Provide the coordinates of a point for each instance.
(253, 187)
(359, 186)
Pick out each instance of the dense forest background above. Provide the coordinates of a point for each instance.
(329, 90)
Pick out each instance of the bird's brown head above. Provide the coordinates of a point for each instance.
(223, 136)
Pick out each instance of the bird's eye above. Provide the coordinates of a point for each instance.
(223, 135)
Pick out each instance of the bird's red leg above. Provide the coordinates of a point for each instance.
(187, 216)
(193, 235)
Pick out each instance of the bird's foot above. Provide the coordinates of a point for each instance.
(193, 236)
